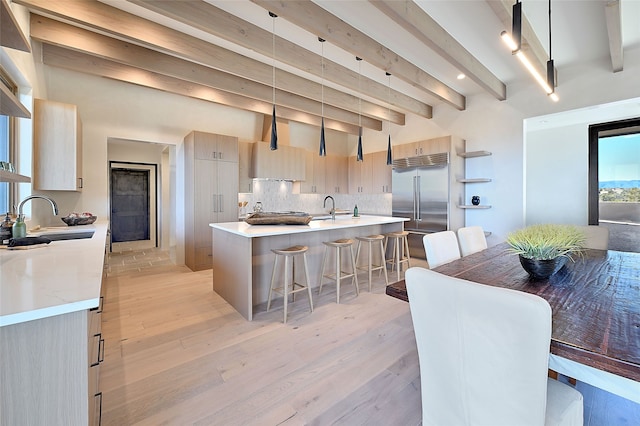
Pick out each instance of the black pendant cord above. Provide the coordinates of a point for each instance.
(323, 147)
(550, 55)
(359, 155)
(389, 157)
(274, 131)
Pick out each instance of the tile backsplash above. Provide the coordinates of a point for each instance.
(279, 195)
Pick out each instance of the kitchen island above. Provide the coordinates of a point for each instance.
(243, 261)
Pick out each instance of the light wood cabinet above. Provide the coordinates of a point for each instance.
(51, 369)
(425, 147)
(360, 175)
(315, 174)
(245, 150)
(287, 162)
(57, 147)
(337, 174)
(381, 173)
(211, 192)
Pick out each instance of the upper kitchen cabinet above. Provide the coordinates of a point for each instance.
(337, 174)
(360, 175)
(287, 162)
(381, 173)
(315, 174)
(209, 146)
(57, 146)
(426, 147)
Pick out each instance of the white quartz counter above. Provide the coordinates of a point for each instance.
(62, 277)
(342, 221)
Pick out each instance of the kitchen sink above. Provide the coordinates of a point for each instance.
(61, 233)
(68, 235)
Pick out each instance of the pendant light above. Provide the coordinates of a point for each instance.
(551, 71)
(274, 131)
(389, 157)
(359, 156)
(514, 41)
(323, 148)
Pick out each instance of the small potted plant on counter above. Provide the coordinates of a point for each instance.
(544, 249)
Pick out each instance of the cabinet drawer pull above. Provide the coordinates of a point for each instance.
(100, 349)
(81, 183)
(101, 304)
(99, 395)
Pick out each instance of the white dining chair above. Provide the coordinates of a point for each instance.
(596, 237)
(440, 248)
(483, 354)
(471, 239)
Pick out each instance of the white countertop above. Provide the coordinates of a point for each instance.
(61, 277)
(342, 221)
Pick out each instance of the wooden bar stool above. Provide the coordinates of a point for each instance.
(400, 252)
(339, 245)
(290, 287)
(372, 240)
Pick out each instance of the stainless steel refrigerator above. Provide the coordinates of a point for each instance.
(421, 194)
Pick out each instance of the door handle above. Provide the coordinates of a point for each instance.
(419, 213)
(221, 203)
(415, 196)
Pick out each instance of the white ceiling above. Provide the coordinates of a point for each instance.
(579, 35)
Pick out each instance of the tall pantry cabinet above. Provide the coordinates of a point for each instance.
(211, 192)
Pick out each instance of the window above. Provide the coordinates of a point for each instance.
(614, 170)
(6, 148)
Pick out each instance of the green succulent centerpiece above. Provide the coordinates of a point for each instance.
(544, 249)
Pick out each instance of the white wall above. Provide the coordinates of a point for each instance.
(557, 155)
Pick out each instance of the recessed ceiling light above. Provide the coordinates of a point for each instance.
(461, 76)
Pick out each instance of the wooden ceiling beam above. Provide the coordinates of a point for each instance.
(614, 31)
(122, 25)
(317, 20)
(417, 22)
(53, 32)
(81, 62)
(215, 21)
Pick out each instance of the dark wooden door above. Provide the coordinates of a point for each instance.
(129, 205)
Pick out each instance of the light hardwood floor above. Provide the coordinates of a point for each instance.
(177, 354)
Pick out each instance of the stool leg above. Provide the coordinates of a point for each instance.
(382, 262)
(324, 261)
(370, 264)
(338, 275)
(273, 278)
(406, 245)
(286, 286)
(397, 247)
(306, 275)
(355, 275)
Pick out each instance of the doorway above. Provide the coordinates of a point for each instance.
(133, 203)
(614, 181)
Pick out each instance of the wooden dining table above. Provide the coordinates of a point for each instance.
(595, 302)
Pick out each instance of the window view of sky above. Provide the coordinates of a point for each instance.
(619, 158)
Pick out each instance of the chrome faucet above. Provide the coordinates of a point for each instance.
(54, 206)
(333, 208)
